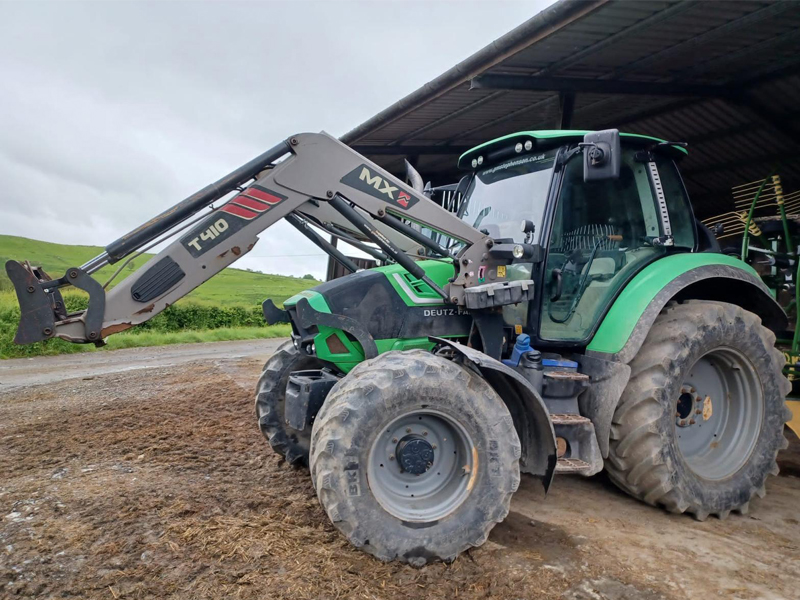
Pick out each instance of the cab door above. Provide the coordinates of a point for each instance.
(603, 233)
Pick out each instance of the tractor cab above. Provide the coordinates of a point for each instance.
(597, 206)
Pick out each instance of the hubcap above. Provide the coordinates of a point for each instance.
(414, 455)
(422, 466)
(718, 413)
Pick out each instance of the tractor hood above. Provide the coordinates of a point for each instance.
(370, 312)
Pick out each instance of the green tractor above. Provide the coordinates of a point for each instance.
(652, 355)
(569, 315)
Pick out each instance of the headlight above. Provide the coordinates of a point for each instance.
(474, 163)
(518, 147)
(518, 251)
(528, 145)
(480, 160)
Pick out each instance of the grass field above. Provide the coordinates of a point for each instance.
(227, 307)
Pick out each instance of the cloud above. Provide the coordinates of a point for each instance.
(112, 112)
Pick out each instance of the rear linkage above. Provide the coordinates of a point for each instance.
(320, 181)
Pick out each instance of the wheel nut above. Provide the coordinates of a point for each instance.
(391, 457)
(408, 429)
(424, 433)
(394, 440)
(692, 421)
(683, 423)
(434, 446)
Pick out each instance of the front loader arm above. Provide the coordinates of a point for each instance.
(320, 177)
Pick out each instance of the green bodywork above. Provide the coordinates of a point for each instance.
(619, 322)
(613, 332)
(612, 335)
(438, 271)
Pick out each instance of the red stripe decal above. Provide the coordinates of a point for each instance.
(262, 195)
(239, 211)
(256, 205)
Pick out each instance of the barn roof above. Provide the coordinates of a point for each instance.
(723, 76)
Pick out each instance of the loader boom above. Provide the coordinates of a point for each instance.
(319, 179)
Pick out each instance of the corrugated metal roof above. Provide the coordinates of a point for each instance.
(725, 77)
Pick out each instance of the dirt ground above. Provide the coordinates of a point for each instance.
(156, 483)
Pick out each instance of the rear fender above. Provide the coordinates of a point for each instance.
(625, 327)
(680, 277)
(531, 417)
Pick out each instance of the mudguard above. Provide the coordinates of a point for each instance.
(691, 276)
(695, 276)
(526, 406)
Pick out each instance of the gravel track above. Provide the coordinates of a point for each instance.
(144, 475)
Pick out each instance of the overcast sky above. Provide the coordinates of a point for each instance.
(113, 111)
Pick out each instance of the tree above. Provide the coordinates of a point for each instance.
(308, 276)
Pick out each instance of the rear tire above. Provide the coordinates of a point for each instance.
(672, 447)
(291, 444)
(454, 437)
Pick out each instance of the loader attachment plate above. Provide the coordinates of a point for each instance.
(37, 320)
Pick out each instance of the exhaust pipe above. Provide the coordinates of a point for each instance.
(414, 178)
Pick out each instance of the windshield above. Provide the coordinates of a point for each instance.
(502, 196)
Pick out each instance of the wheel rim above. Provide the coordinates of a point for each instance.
(422, 466)
(718, 413)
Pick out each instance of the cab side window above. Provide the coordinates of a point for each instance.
(602, 233)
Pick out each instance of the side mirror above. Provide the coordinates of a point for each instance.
(602, 155)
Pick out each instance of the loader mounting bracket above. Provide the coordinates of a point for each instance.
(272, 314)
(93, 317)
(307, 317)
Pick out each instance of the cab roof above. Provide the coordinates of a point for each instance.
(550, 138)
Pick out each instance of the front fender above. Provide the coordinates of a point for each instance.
(699, 276)
(531, 417)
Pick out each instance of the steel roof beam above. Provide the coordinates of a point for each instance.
(567, 101)
(596, 86)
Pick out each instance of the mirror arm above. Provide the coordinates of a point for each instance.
(569, 155)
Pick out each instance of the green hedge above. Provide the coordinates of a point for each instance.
(180, 317)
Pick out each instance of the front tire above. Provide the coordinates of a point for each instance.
(414, 458)
(700, 423)
(291, 444)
